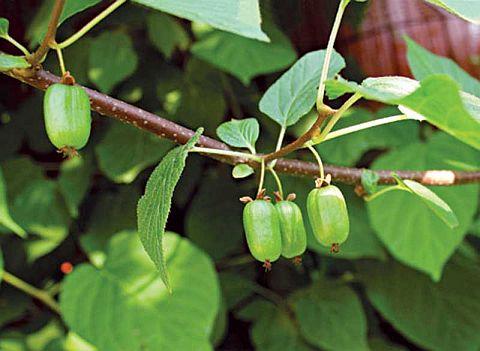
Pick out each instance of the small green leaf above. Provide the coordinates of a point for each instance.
(437, 99)
(466, 9)
(3, 27)
(112, 59)
(5, 217)
(154, 206)
(424, 63)
(294, 93)
(242, 18)
(369, 181)
(122, 161)
(166, 33)
(243, 57)
(242, 171)
(241, 133)
(435, 203)
(8, 62)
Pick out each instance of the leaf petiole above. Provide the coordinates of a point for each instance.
(204, 150)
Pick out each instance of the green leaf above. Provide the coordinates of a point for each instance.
(274, 329)
(3, 27)
(436, 99)
(294, 93)
(331, 317)
(409, 300)
(242, 18)
(218, 194)
(166, 33)
(424, 63)
(436, 204)
(8, 62)
(154, 206)
(134, 308)
(243, 57)
(125, 151)
(39, 209)
(413, 234)
(74, 181)
(241, 133)
(5, 217)
(466, 9)
(112, 59)
(242, 171)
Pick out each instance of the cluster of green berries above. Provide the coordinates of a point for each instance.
(274, 230)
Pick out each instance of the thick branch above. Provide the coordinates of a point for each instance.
(49, 38)
(300, 142)
(108, 106)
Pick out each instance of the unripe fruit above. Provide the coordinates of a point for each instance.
(294, 236)
(328, 215)
(67, 116)
(262, 228)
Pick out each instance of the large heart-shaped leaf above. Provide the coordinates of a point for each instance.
(437, 99)
(331, 317)
(237, 16)
(411, 303)
(413, 234)
(125, 305)
(294, 93)
(154, 206)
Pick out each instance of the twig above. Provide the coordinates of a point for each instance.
(108, 106)
(49, 38)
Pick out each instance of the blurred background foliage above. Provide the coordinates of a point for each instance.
(376, 294)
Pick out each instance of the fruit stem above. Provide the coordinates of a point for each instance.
(31, 290)
(262, 178)
(277, 180)
(319, 161)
